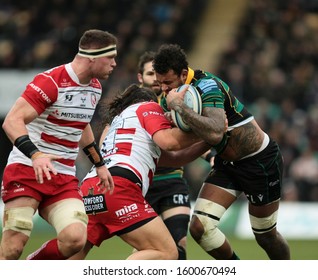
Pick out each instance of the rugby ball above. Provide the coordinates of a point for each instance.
(192, 99)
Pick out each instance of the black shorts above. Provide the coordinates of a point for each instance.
(259, 176)
(168, 193)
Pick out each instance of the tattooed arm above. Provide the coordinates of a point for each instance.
(210, 126)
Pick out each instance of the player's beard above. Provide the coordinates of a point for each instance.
(154, 87)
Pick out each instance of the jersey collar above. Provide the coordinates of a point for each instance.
(190, 76)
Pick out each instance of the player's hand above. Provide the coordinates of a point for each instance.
(169, 118)
(175, 97)
(42, 164)
(106, 183)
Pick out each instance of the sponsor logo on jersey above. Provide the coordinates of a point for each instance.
(93, 100)
(76, 115)
(65, 83)
(83, 99)
(41, 92)
(145, 114)
(109, 152)
(94, 203)
(132, 208)
(17, 188)
(148, 207)
(68, 98)
(255, 198)
(17, 185)
(56, 112)
(180, 199)
(128, 212)
(155, 113)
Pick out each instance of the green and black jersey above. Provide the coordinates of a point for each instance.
(216, 93)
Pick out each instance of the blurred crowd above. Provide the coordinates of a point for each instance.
(271, 64)
(42, 34)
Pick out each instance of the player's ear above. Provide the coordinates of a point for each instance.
(139, 77)
(184, 75)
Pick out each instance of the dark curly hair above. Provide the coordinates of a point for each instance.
(131, 95)
(170, 57)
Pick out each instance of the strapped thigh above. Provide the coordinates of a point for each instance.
(66, 212)
(19, 219)
(265, 224)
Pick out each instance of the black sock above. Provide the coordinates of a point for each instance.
(182, 253)
(234, 257)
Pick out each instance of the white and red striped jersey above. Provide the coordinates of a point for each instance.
(65, 107)
(129, 143)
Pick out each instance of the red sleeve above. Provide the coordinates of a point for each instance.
(41, 92)
(152, 118)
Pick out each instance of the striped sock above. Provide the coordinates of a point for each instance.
(48, 251)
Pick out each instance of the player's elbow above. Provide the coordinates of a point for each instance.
(4, 126)
(213, 138)
(8, 124)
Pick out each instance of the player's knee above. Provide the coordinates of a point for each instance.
(70, 222)
(12, 252)
(178, 228)
(73, 238)
(172, 253)
(196, 229)
(204, 224)
(169, 251)
(205, 218)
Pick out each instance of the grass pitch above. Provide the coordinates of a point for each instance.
(116, 249)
